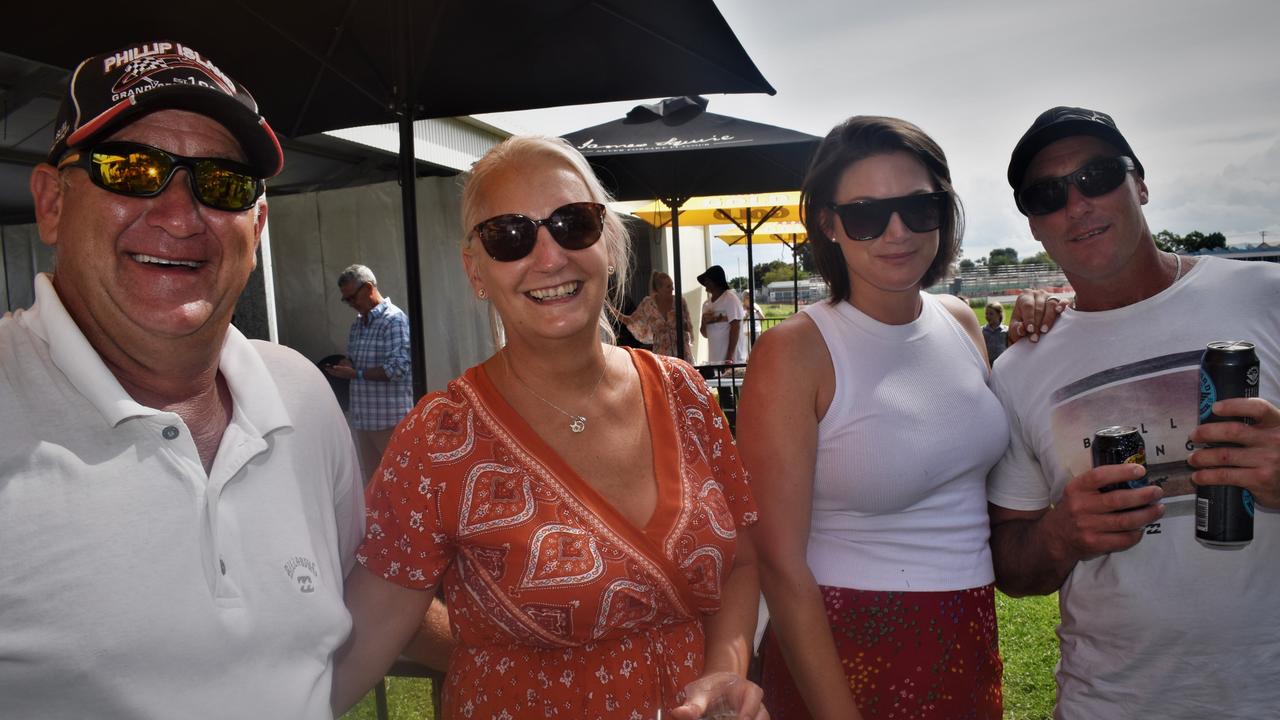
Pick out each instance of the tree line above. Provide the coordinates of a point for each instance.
(1165, 240)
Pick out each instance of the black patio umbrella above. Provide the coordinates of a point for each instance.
(674, 150)
(316, 65)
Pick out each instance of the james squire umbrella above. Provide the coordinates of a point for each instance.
(674, 150)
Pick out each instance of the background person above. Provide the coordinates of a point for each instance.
(379, 365)
(752, 311)
(868, 429)
(655, 318)
(178, 504)
(1153, 623)
(995, 333)
(722, 316)
(580, 503)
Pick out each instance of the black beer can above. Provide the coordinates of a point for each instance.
(1116, 445)
(1224, 513)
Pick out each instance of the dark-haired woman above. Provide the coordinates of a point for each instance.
(868, 428)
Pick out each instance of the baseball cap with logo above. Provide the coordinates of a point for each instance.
(1057, 123)
(110, 90)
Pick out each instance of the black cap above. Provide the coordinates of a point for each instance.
(713, 273)
(110, 90)
(1060, 122)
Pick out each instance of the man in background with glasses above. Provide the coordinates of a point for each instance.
(378, 365)
(1153, 623)
(178, 505)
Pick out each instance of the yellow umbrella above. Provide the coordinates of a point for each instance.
(747, 212)
(791, 234)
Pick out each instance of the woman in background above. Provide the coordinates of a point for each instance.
(654, 319)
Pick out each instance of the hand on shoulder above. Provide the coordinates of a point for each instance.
(1035, 312)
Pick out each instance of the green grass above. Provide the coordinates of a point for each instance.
(407, 699)
(1027, 644)
(1030, 651)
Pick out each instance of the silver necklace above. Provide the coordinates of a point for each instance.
(577, 423)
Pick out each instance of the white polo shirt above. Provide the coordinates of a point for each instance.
(135, 585)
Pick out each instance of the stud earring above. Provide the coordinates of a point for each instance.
(612, 269)
(482, 294)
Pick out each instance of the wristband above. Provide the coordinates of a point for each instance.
(359, 374)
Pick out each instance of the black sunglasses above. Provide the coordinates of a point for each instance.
(867, 219)
(1094, 179)
(576, 226)
(137, 170)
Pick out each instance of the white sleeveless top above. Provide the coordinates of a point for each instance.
(899, 487)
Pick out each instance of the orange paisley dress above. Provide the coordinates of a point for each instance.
(562, 608)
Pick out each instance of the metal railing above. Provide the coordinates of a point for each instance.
(1004, 279)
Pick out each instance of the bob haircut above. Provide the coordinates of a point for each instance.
(858, 138)
(547, 152)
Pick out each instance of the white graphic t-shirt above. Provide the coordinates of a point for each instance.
(1167, 628)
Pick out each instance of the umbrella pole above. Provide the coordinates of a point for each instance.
(795, 277)
(674, 204)
(409, 206)
(751, 280)
(749, 229)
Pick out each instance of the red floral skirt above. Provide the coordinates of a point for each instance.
(906, 654)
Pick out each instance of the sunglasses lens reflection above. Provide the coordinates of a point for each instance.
(867, 220)
(143, 171)
(1093, 180)
(575, 226)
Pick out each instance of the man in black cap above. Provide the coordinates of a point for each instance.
(722, 316)
(1154, 624)
(178, 505)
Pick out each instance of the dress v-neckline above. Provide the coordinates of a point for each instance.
(663, 443)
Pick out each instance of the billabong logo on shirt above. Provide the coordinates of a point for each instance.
(302, 571)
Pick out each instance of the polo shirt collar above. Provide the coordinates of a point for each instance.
(380, 309)
(254, 393)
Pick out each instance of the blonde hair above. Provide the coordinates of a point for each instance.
(520, 149)
(653, 279)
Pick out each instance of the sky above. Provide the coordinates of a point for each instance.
(1194, 85)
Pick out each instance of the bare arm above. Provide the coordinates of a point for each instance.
(735, 327)
(731, 630)
(384, 617)
(729, 635)
(1034, 551)
(1034, 312)
(789, 381)
(434, 641)
(959, 309)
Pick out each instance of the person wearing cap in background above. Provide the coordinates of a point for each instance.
(178, 505)
(1153, 623)
(378, 365)
(722, 316)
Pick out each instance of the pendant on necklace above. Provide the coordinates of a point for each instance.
(578, 424)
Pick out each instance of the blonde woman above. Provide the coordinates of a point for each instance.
(654, 319)
(579, 502)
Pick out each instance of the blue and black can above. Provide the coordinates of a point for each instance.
(1119, 444)
(1224, 513)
